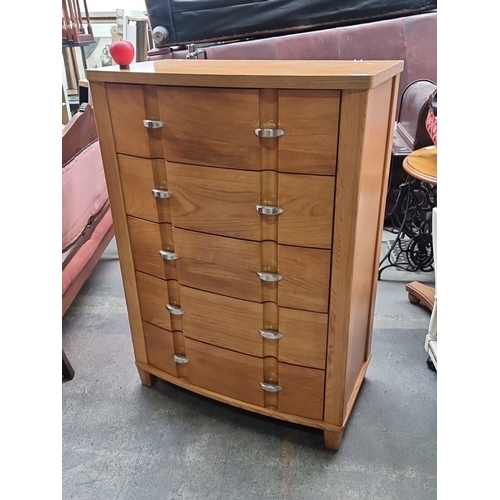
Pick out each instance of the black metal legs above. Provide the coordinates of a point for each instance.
(411, 250)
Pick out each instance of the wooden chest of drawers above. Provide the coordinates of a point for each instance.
(248, 201)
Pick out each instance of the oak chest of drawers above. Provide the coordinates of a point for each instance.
(248, 201)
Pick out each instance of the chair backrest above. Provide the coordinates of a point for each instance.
(84, 192)
(413, 111)
(78, 133)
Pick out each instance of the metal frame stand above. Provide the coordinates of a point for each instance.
(411, 250)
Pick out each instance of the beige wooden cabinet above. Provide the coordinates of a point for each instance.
(248, 201)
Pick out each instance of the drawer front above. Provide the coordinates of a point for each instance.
(153, 299)
(306, 278)
(229, 267)
(238, 376)
(307, 202)
(304, 338)
(224, 202)
(216, 264)
(225, 372)
(215, 200)
(128, 112)
(209, 126)
(235, 324)
(310, 120)
(222, 321)
(302, 391)
(147, 239)
(160, 348)
(138, 182)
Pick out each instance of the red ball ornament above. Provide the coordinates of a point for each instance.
(122, 53)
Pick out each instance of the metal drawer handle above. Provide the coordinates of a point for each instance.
(269, 132)
(265, 210)
(168, 255)
(180, 359)
(271, 334)
(153, 123)
(271, 386)
(269, 276)
(175, 310)
(161, 193)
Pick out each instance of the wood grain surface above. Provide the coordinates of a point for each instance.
(226, 372)
(311, 123)
(210, 126)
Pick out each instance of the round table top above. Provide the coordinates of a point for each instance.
(422, 164)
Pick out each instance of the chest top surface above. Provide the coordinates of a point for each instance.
(297, 74)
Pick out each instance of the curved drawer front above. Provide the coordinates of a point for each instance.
(304, 338)
(221, 127)
(307, 202)
(230, 267)
(225, 372)
(153, 299)
(311, 123)
(160, 348)
(209, 126)
(302, 392)
(127, 108)
(298, 337)
(215, 200)
(306, 278)
(216, 264)
(226, 202)
(239, 376)
(222, 321)
(145, 190)
(152, 248)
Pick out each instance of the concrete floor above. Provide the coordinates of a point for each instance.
(124, 441)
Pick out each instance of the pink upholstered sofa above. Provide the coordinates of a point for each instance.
(87, 226)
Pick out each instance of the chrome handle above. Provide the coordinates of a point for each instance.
(269, 276)
(180, 359)
(265, 210)
(271, 386)
(161, 193)
(168, 255)
(271, 334)
(175, 310)
(269, 132)
(153, 123)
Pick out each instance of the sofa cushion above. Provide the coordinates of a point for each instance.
(85, 253)
(83, 192)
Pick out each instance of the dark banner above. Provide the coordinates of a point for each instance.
(195, 21)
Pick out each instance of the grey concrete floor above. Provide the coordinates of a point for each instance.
(124, 441)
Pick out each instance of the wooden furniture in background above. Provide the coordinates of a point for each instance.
(422, 165)
(248, 204)
(77, 32)
(74, 29)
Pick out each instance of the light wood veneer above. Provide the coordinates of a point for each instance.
(248, 201)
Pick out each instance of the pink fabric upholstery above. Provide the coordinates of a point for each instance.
(85, 253)
(83, 192)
